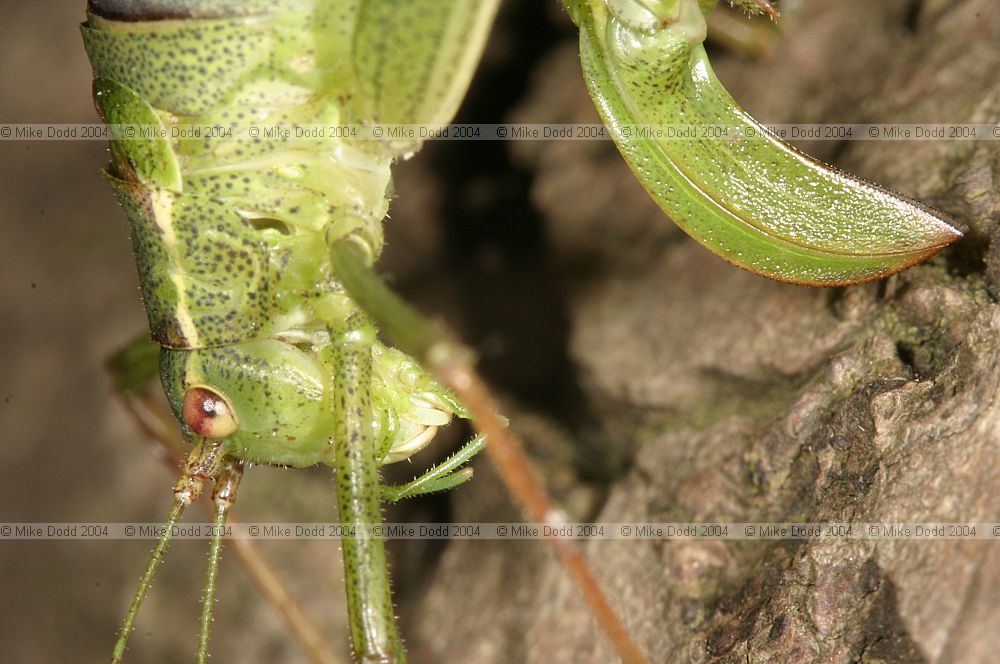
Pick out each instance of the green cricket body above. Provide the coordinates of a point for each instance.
(231, 236)
(262, 349)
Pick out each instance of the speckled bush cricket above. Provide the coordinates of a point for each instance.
(256, 256)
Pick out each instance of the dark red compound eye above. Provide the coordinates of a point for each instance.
(208, 414)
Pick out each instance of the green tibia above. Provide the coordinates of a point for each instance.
(745, 195)
(366, 573)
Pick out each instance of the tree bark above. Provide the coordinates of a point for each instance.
(712, 395)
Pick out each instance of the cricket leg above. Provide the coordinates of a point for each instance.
(369, 597)
(452, 364)
(441, 477)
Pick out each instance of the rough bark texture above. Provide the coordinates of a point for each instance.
(746, 400)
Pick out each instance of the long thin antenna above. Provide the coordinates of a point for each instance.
(155, 558)
(223, 498)
(202, 463)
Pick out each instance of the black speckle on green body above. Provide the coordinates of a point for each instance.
(211, 275)
(356, 468)
(231, 229)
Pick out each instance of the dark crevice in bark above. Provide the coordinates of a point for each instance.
(912, 18)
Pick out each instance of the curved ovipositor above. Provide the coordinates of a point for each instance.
(747, 196)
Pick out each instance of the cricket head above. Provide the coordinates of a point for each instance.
(267, 398)
(272, 400)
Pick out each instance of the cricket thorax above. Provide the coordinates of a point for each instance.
(233, 202)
